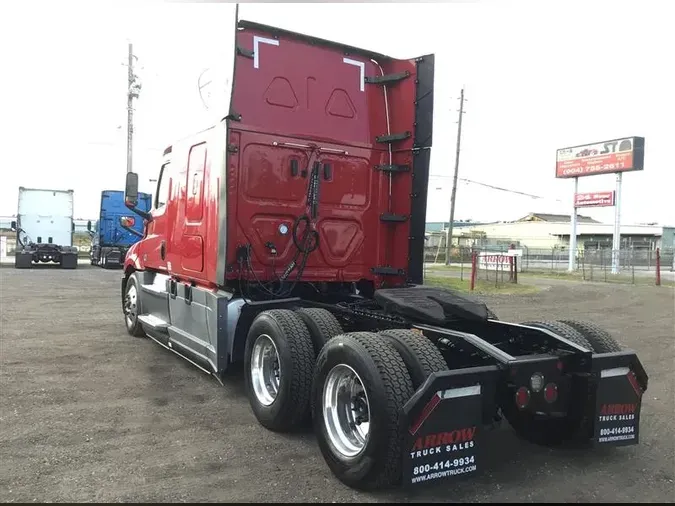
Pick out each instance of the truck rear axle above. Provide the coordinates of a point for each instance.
(30, 254)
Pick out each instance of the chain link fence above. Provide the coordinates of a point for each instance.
(591, 265)
(491, 266)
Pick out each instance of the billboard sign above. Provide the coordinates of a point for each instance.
(617, 155)
(595, 199)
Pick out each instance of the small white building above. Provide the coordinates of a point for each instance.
(549, 231)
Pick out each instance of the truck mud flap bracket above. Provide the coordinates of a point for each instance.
(442, 423)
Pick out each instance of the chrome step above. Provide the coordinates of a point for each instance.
(153, 322)
(154, 288)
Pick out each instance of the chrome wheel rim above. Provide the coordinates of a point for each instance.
(346, 411)
(265, 370)
(130, 305)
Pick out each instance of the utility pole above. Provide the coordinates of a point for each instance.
(454, 180)
(133, 89)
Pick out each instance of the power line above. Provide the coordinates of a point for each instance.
(516, 192)
(499, 188)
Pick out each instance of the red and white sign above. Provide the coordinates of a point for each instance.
(498, 260)
(618, 155)
(596, 199)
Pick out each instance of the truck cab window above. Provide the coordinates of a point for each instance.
(162, 193)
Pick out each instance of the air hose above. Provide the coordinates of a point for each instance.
(305, 245)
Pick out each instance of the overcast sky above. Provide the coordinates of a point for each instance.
(538, 76)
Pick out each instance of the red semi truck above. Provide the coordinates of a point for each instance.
(290, 236)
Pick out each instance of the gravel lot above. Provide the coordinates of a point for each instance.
(88, 413)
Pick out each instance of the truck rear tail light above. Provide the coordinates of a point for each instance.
(522, 397)
(537, 382)
(551, 393)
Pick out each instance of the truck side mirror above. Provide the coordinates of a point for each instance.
(127, 222)
(13, 226)
(89, 225)
(131, 190)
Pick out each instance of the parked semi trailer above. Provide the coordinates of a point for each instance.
(111, 236)
(290, 237)
(44, 228)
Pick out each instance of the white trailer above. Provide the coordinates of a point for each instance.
(44, 228)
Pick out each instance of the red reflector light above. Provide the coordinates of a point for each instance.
(634, 383)
(426, 411)
(522, 397)
(128, 222)
(551, 393)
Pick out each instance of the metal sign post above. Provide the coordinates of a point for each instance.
(616, 242)
(573, 235)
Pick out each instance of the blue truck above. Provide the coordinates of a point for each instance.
(116, 228)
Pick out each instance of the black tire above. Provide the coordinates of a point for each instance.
(290, 408)
(419, 354)
(601, 340)
(549, 431)
(322, 325)
(132, 309)
(388, 387)
(491, 314)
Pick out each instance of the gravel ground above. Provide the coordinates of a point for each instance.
(88, 413)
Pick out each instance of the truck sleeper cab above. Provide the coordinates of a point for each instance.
(290, 237)
(115, 231)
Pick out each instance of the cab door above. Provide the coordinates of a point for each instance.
(154, 246)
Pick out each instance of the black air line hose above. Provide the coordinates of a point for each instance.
(304, 246)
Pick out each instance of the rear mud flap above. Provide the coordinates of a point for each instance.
(23, 260)
(442, 424)
(618, 399)
(113, 259)
(69, 261)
